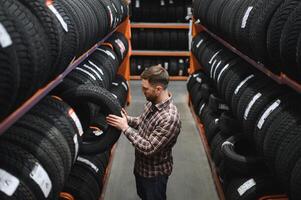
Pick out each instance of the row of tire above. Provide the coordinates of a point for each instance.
(268, 31)
(62, 144)
(174, 65)
(268, 113)
(40, 38)
(160, 11)
(159, 39)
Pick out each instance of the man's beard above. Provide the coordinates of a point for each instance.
(152, 99)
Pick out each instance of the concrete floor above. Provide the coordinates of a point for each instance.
(191, 178)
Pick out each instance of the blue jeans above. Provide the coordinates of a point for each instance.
(151, 188)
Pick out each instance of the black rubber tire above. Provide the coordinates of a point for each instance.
(240, 157)
(263, 13)
(20, 163)
(260, 185)
(32, 51)
(275, 29)
(108, 104)
(267, 118)
(251, 115)
(43, 151)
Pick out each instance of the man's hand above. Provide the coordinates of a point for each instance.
(120, 123)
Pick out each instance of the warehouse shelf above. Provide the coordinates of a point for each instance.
(281, 79)
(159, 53)
(161, 25)
(33, 100)
(213, 168)
(107, 173)
(172, 78)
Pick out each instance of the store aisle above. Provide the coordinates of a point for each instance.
(191, 178)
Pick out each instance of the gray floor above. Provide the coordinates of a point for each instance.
(191, 178)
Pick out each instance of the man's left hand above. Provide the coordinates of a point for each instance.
(120, 123)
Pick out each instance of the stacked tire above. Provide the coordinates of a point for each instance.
(174, 65)
(63, 143)
(157, 39)
(267, 31)
(160, 11)
(39, 39)
(268, 114)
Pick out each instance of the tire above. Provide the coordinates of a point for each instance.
(43, 151)
(21, 164)
(228, 124)
(103, 99)
(240, 158)
(255, 187)
(263, 13)
(275, 29)
(32, 51)
(287, 155)
(267, 118)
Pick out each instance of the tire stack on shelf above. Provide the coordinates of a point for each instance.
(163, 39)
(63, 143)
(250, 121)
(160, 11)
(267, 31)
(39, 40)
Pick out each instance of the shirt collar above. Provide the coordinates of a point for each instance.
(163, 104)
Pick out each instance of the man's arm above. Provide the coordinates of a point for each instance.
(133, 121)
(159, 138)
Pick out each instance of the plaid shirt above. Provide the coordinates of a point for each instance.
(153, 134)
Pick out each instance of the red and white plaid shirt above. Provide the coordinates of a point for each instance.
(153, 134)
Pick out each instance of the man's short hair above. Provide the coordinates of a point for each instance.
(156, 75)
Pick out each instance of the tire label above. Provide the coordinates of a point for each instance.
(40, 176)
(111, 15)
(107, 52)
(251, 103)
(212, 67)
(86, 72)
(94, 65)
(59, 17)
(8, 183)
(137, 3)
(201, 109)
(89, 163)
(268, 111)
(76, 120)
(210, 61)
(162, 3)
(199, 80)
(223, 107)
(76, 145)
(227, 143)
(200, 42)
(242, 83)
(246, 16)
(166, 65)
(181, 72)
(214, 72)
(5, 39)
(125, 86)
(121, 47)
(222, 71)
(246, 186)
(95, 72)
(114, 96)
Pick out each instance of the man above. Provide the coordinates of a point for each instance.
(153, 134)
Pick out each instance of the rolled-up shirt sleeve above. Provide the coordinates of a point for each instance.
(158, 139)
